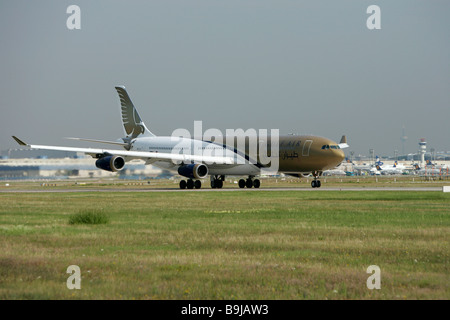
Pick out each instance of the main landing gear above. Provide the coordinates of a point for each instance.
(250, 182)
(316, 182)
(190, 184)
(217, 181)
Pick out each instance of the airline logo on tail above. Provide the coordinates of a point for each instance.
(132, 122)
(378, 163)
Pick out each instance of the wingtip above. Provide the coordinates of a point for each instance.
(20, 142)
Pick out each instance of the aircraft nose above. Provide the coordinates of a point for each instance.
(339, 155)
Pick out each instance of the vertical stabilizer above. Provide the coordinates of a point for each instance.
(132, 122)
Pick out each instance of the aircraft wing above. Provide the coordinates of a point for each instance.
(129, 155)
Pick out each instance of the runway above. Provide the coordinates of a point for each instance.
(304, 189)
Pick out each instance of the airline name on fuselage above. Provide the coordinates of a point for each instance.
(290, 143)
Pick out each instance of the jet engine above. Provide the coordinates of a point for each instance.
(193, 171)
(110, 163)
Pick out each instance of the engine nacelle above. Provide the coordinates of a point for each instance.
(193, 171)
(110, 163)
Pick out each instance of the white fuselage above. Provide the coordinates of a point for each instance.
(178, 145)
(392, 169)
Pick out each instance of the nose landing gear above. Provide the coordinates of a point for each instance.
(316, 182)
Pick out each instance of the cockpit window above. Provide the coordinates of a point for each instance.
(333, 146)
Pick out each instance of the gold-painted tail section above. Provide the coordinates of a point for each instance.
(132, 122)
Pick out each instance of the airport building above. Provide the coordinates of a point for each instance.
(34, 164)
(65, 168)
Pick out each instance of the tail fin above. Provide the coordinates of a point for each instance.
(132, 122)
(343, 143)
(378, 161)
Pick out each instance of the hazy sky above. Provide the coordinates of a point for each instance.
(299, 66)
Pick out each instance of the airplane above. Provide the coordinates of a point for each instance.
(334, 172)
(431, 169)
(429, 164)
(362, 167)
(374, 171)
(369, 168)
(297, 155)
(396, 168)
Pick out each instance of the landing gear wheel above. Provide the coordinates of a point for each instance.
(249, 183)
(197, 184)
(183, 184)
(190, 184)
(256, 183)
(315, 184)
(241, 183)
(217, 182)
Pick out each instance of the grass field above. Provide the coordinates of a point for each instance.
(226, 245)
